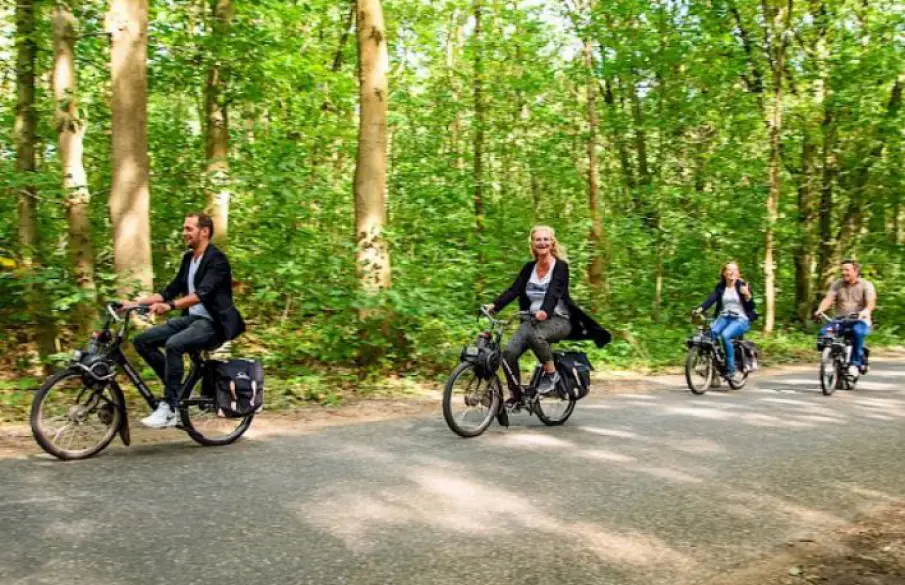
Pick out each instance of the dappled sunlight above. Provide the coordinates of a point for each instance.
(604, 455)
(695, 446)
(810, 382)
(768, 420)
(875, 496)
(868, 384)
(706, 413)
(600, 406)
(636, 550)
(609, 432)
(669, 473)
(789, 401)
(821, 418)
(877, 373)
(450, 501)
(531, 440)
(763, 504)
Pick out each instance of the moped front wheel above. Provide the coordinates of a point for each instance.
(74, 416)
(469, 401)
(699, 370)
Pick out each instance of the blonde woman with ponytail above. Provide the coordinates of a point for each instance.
(542, 288)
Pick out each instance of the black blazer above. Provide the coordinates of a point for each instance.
(717, 297)
(583, 326)
(214, 286)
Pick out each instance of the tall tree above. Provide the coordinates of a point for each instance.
(371, 167)
(127, 24)
(217, 128)
(777, 14)
(480, 121)
(26, 165)
(70, 131)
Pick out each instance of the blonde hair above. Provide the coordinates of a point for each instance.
(558, 250)
(725, 266)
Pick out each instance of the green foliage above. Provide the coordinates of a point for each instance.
(675, 76)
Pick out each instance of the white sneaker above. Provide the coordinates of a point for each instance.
(854, 371)
(162, 418)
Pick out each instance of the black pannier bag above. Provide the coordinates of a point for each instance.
(239, 387)
(575, 370)
(209, 378)
(747, 354)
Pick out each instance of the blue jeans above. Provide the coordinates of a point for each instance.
(857, 330)
(726, 329)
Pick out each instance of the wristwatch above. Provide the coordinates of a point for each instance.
(172, 305)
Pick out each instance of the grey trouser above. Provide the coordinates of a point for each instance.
(537, 336)
(177, 337)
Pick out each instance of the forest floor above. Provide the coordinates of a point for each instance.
(868, 552)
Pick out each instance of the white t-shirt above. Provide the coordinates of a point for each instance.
(197, 310)
(537, 290)
(732, 303)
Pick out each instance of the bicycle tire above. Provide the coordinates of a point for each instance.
(829, 377)
(549, 420)
(492, 409)
(738, 382)
(210, 409)
(693, 353)
(46, 444)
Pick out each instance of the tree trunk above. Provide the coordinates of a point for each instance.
(371, 167)
(479, 122)
(70, 131)
(217, 139)
(804, 258)
(825, 270)
(595, 238)
(625, 164)
(127, 24)
(26, 165)
(778, 19)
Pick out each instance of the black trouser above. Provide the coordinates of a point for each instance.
(178, 337)
(537, 336)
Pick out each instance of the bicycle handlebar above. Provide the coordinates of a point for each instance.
(849, 317)
(493, 318)
(116, 307)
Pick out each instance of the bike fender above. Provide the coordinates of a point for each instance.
(123, 416)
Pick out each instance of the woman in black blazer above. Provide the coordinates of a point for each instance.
(542, 287)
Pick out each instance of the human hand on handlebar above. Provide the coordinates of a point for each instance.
(160, 308)
(488, 308)
(541, 315)
(864, 315)
(124, 306)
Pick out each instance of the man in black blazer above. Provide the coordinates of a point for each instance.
(202, 290)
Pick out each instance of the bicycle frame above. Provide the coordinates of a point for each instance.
(496, 332)
(116, 355)
(709, 345)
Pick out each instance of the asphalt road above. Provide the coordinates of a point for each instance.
(648, 489)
